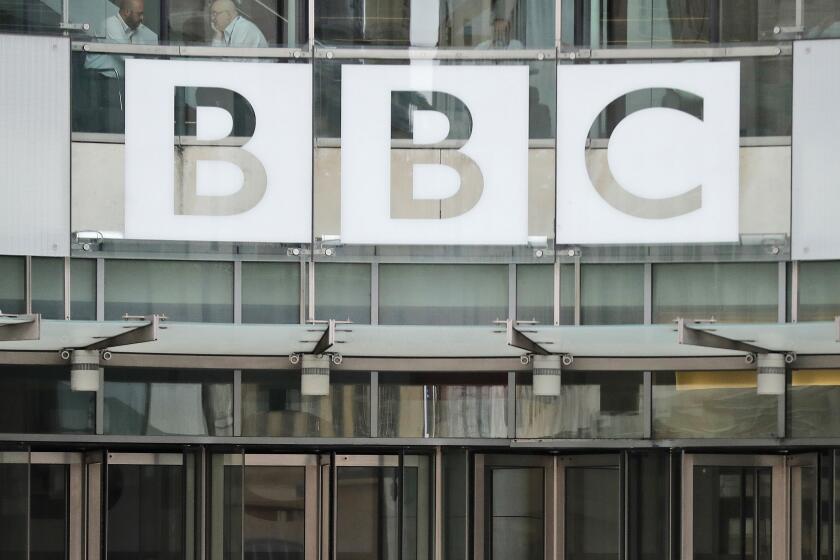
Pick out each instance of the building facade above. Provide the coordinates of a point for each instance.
(419, 280)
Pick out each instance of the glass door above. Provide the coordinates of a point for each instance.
(803, 477)
(733, 507)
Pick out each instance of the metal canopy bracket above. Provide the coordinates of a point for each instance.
(699, 337)
(518, 338)
(148, 332)
(837, 328)
(328, 337)
(28, 327)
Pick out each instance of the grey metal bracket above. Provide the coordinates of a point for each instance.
(148, 332)
(519, 339)
(27, 328)
(702, 337)
(328, 336)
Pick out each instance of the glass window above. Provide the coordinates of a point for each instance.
(48, 287)
(612, 294)
(819, 298)
(38, 400)
(535, 293)
(711, 404)
(485, 24)
(419, 294)
(30, 16)
(443, 405)
(184, 291)
(342, 291)
(12, 284)
(272, 405)
(822, 19)
(168, 402)
(730, 292)
(83, 289)
(14, 493)
(270, 292)
(590, 405)
(261, 23)
(814, 403)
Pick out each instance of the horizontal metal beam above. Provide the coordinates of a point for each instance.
(699, 337)
(25, 327)
(196, 51)
(148, 332)
(670, 53)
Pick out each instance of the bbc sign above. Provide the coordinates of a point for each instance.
(671, 174)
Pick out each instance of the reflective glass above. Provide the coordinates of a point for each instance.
(711, 404)
(270, 292)
(184, 291)
(612, 294)
(517, 513)
(225, 497)
(48, 287)
(819, 299)
(483, 24)
(822, 19)
(30, 16)
(48, 512)
(272, 405)
(168, 402)
(535, 293)
(649, 502)
(38, 399)
(590, 405)
(813, 404)
(14, 495)
(274, 516)
(442, 405)
(456, 492)
(342, 291)
(83, 289)
(12, 284)
(729, 292)
(419, 294)
(593, 513)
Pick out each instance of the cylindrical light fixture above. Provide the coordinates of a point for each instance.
(84, 370)
(771, 374)
(546, 370)
(315, 375)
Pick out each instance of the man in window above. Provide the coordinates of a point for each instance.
(232, 30)
(125, 27)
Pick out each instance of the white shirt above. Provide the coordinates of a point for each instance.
(117, 31)
(241, 33)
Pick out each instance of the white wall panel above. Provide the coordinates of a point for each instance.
(35, 145)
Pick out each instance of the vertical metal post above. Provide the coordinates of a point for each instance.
(556, 292)
(310, 283)
(782, 282)
(647, 404)
(511, 292)
(65, 12)
(648, 295)
(781, 411)
(100, 404)
(237, 291)
(794, 292)
(237, 402)
(623, 507)
(374, 293)
(400, 505)
(577, 290)
(374, 404)
(100, 289)
(27, 287)
(67, 295)
(311, 27)
(437, 550)
(511, 405)
(291, 23)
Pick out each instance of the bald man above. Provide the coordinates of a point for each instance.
(125, 27)
(232, 30)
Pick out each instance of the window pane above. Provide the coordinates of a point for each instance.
(819, 298)
(182, 290)
(822, 19)
(30, 16)
(416, 294)
(270, 292)
(272, 405)
(342, 291)
(38, 400)
(443, 405)
(731, 292)
(593, 513)
(535, 293)
(717, 404)
(12, 284)
(163, 402)
(590, 405)
(83, 289)
(14, 495)
(49, 512)
(612, 294)
(48, 287)
(814, 403)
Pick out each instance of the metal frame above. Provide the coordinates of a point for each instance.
(795, 464)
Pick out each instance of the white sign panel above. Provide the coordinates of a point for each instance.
(474, 192)
(816, 146)
(670, 172)
(257, 189)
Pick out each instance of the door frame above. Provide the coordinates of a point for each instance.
(798, 461)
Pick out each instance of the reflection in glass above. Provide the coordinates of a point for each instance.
(48, 287)
(732, 513)
(649, 502)
(442, 405)
(730, 292)
(38, 399)
(83, 289)
(272, 405)
(270, 292)
(819, 299)
(612, 294)
(717, 404)
(590, 405)
(517, 524)
(342, 291)
(14, 495)
(161, 402)
(48, 512)
(535, 293)
(273, 519)
(190, 291)
(146, 512)
(457, 294)
(12, 284)
(593, 513)
(813, 403)
(280, 23)
(822, 19)
(30, 16)
(456, 492)
(803, 512)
